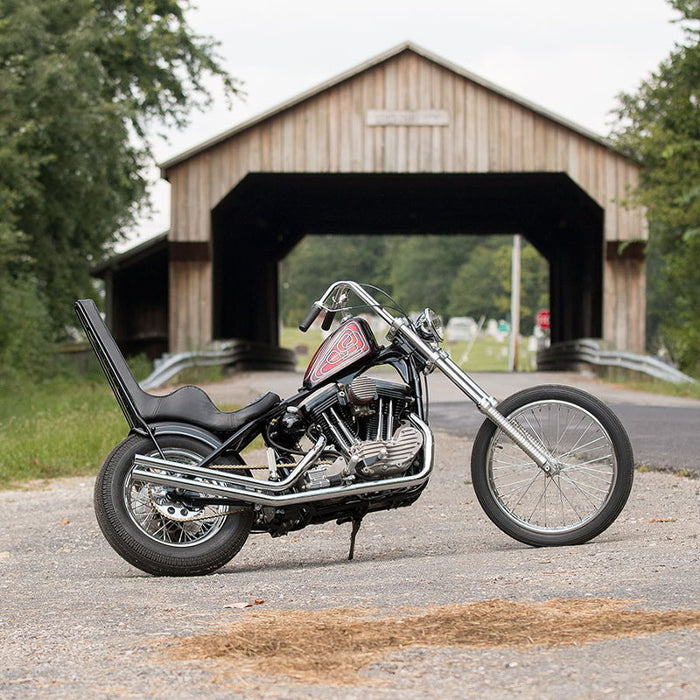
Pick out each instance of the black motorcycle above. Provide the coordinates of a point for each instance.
(551, 465)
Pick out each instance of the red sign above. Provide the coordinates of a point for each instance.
(542, 319)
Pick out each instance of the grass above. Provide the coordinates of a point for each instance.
(66, 426)
(61, 427)
(302, 645)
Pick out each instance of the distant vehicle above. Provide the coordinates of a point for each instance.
(461, 328)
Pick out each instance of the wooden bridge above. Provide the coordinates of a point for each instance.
(406, 143)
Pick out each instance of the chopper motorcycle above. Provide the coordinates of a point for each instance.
(551, 465)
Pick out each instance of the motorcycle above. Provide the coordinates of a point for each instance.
(551, 465)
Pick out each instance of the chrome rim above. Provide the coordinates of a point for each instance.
(149, 505)
(583, 475)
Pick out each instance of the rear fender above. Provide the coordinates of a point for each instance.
(186, 430)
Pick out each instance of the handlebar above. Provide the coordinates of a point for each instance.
(327, 320)
(314, 311)
(328, 303)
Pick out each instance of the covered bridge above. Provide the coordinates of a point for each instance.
(406, 143)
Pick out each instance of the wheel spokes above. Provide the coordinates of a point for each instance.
(585, 470)
(148, 511)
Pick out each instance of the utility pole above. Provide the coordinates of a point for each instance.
(514, 305)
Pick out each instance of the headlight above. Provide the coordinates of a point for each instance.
(429, 326)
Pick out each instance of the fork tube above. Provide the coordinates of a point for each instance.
(440, 359)
(484, 401)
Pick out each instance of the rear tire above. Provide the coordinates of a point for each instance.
(591, 481)
(133, 514)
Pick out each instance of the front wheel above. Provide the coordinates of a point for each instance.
(591, 467)
(158, 529)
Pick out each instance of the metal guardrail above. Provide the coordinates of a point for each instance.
(240, 354)
(567, 354)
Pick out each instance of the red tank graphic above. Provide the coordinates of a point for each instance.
(352, 341)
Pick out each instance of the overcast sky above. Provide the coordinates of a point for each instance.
(571, 57)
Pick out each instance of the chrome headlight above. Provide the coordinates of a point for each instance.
(429, 326)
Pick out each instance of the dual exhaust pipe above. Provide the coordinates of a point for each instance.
(220, 484)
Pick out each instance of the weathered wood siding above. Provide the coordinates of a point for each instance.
(327, 132)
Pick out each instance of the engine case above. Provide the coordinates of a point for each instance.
(365, 421)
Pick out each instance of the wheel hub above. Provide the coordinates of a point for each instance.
(173, 510)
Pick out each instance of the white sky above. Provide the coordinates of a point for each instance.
(570, 57)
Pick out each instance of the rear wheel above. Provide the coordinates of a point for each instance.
(591, 475)
(158, 529)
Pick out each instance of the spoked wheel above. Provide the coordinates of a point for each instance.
(158, 529)
(591, 474)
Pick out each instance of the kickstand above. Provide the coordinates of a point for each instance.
(356, 522)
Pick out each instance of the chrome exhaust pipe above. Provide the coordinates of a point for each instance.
(249, 490)
(195, 472)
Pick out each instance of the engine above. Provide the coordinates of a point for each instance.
(365, 422)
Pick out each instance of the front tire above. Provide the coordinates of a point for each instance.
(589, 484)
(133, 515)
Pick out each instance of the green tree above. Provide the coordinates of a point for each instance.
(82, 83)
(659, 124)
(23, 316)
(423, 267)
(317, 261)
(482, 284)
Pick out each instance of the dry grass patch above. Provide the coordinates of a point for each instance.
(333, 645)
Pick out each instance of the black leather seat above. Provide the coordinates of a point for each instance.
(188, 404)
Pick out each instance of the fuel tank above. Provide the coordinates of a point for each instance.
(351, 342)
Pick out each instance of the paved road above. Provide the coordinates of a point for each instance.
(663, 437)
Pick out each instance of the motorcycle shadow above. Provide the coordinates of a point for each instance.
(370, 555)
(267, 562)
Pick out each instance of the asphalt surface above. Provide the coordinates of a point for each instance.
(77, 621)
(664, 437)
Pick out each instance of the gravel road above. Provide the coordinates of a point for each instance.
(76, 621)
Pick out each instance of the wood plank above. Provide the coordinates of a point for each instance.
(528, 119)
(551, 150)
(345, 128)
(540, 144)
(516, 138)
(505, 136)
(334, 131)
(437, 163)
(419, 142)
(391, 100)
(403, 97)
(494, 142)
(458, 127)
(562, 151)
(300, 117)
(357, 127)
(379, 102)
(288, 141)
(482, 131)
(265, 147)
(368, 142)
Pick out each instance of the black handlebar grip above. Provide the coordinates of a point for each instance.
(328, 320)
(310, 318)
